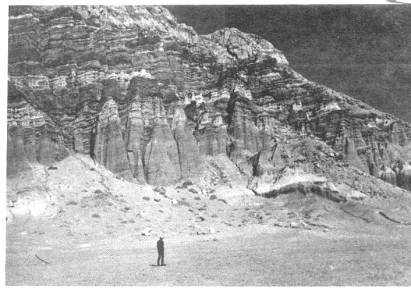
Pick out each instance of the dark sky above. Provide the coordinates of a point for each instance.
(364, 51)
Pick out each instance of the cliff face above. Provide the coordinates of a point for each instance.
(151, 100)
(362, 50)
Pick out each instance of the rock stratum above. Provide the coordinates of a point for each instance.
(156, 103)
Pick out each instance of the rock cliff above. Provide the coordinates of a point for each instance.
(152, 101)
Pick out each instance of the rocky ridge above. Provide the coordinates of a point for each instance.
(156, 103)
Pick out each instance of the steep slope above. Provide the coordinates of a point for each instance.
(150, 100)
(361, 50)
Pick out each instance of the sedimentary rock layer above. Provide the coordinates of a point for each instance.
(149, 98)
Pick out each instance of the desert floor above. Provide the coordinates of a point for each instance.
(253, 255)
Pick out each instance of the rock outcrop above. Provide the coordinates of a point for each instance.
(109, 148)
(150, 99)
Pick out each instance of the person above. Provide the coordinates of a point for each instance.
(160, 250)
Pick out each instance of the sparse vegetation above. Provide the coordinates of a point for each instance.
(160, 190)
(183, 203)
(71, 202)
(192, 190)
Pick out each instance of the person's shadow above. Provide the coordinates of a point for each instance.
(155, 265)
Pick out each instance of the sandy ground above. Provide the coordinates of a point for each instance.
(256, 255)
(91, 229)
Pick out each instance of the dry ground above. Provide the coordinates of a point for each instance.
(256, 255)
(94, 232)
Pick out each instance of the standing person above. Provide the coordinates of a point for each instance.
(160, 250)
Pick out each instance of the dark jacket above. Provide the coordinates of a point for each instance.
(160, 246)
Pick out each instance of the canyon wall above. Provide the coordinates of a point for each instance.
(150, 99)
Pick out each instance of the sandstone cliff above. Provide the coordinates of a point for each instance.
(152, 100)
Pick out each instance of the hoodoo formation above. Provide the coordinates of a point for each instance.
(125, 126)
(155, 103)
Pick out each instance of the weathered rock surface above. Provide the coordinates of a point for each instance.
(150, 99)
(109, 148)
(188, 152)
